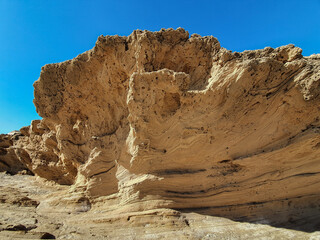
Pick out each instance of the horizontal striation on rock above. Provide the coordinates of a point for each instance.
(169, 120)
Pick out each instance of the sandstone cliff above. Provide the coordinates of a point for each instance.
(163, 120)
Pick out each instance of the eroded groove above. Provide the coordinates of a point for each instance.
(202, 193)
(188, 194)
(4, 163)
(106, 134)
(178, 171)
(244, 204)
(288, 142)
(97, 174)
(73, 143)
(296, 175)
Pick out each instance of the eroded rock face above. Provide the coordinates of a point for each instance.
(161, 119)
(9, 161)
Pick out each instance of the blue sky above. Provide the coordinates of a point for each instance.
(36, 32)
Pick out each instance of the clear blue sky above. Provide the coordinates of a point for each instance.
(36, 32)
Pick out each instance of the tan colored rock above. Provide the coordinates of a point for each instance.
(9, 161)
(22, 218)
(161, 120)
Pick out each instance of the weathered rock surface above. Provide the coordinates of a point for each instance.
(163, 120)
(9, 161)
(32, 219)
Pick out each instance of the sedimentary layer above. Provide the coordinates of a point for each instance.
(164, 120)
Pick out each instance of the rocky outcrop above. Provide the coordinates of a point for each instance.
(161, 119)
(9, 161)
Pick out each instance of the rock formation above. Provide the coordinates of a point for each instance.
(163, 120)
(9, 161)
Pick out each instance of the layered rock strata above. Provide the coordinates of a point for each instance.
(161, 119)
(25, 215)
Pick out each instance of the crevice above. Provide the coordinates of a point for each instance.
(105, 134)
(188, 194)
(4, 163)
(178, 171)
(126, 47)
(73, 143)
(97, 174)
